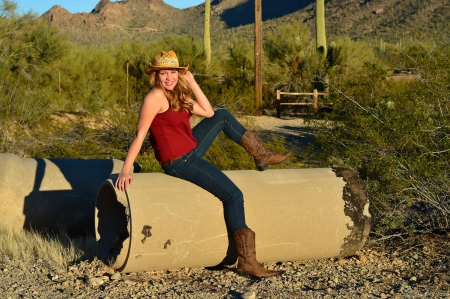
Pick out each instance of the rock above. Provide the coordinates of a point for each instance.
(115, 276)
(378, 11)
(96, 281)
(249, 295)
(362, 258)
(129, 282)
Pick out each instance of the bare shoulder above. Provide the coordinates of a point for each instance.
(155, 93)
(155, 101)
(155, 96)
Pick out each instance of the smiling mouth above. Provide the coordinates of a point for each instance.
(169, 84)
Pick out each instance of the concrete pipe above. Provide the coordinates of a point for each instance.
(162, 222)
(51, 194)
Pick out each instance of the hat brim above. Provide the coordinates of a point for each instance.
(150, 69)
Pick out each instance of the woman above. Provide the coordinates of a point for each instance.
(165, 112)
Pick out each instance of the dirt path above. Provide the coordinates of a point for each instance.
(293, 130)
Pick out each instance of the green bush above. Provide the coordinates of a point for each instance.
(394, 131)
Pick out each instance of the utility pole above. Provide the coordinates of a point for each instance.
(258, 57)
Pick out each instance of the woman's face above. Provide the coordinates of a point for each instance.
(168, 78)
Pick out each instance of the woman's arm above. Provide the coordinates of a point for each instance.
(202, 106)
(153, 103)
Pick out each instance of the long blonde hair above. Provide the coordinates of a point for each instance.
(180, 97)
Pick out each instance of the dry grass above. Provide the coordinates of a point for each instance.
(57, 250)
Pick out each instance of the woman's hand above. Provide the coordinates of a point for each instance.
(189, 77)
(202, 106)
(123, 181)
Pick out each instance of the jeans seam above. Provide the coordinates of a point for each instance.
(209, 132)
(234, 202)
(201, 170)
(174, 172)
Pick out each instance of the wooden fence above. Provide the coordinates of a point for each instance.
(315, 102)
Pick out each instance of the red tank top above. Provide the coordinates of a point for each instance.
(171, 134)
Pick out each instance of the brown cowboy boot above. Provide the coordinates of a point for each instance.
(247, 263)
(263, 157)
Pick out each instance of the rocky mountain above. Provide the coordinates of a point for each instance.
(123, 18)
(110, 22)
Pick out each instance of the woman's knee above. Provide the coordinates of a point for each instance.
(237, 197)
(222, 113)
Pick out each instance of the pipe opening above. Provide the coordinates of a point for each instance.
(111, 226)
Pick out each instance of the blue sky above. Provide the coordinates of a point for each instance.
(41, 6)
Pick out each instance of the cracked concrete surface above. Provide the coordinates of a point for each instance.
(297, 214)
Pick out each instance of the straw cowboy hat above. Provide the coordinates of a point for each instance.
(164, 61)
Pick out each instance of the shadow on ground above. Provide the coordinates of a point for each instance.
(296, 137)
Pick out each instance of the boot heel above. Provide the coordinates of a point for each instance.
(245, 245)
(263, 167)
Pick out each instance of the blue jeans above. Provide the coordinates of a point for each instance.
(191, 167)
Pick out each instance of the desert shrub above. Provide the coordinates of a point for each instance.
(28, 52)
(235, 94)
(240, 60)
(131, 60)
(395, 135)
(285, 55)
(231, 84)
(88, 77)
(346, 57)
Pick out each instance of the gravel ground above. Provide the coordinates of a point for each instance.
(417, 268)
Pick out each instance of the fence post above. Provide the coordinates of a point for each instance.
(316, 100)
(278, 104)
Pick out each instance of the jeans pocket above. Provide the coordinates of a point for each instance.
(171, 169)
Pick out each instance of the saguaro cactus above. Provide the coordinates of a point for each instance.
(321, 39)
(207, 37)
